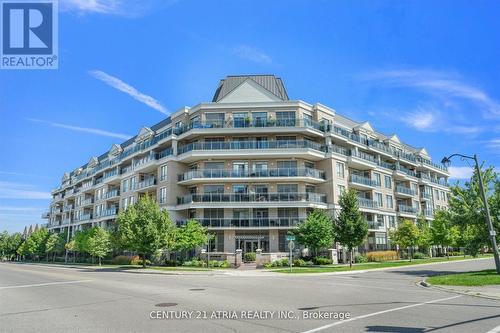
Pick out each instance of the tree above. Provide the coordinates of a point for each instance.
(316, 232)
(406, 236)
(99, 243)
(424, 241)
(144, 228)
(443, 233)
(350, 226)
(13, 243)
(51, 244)
(36, 243)
(189, 236)
(4, 241)
(82, 240)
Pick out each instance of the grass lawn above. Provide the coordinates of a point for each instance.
(180, 268)
(373, 265)
(481, 278)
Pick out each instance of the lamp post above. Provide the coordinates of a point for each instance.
(446, 161)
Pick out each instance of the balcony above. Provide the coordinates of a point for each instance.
(361, 160)
(83, 217)
(349, 136)
(148, 182)
(108, 212)
(86, 202)
(405, 191)
(45, 215)
(110, 174)
(402, 172)
(425, 196)
(404, 209)
(111, 194)
(368, 203)
(359, 181)
(252, 197)
(253, 175)
(425, 162)
(68, 208)
(373, 225)
(249, 223)
(245, 145)
(428, 212)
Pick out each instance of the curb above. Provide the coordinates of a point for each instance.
(426, 284)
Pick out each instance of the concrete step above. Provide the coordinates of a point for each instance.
(247, 266)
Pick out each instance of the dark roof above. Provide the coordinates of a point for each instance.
(271, 83)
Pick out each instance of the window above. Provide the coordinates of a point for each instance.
(288, 212)
(213, 213)
(378, 199)
(132, 183)
(240, 188)
(340, 170)
(308, 120)
(392, 221)
(163, 195)
(308, 165)
(288, 188)
(388, 181)
(163, 172)
(240, 119)
(241, 213)
(389, 201)
(214, 165)
(287, 164)
(260, 189)
(377, 179)
(214, 120)
(240, 166)
(213, 189)
(341, 189)
(259, 166)
(436, 195)
(442, 196)
(259, 119)
(285, 118)
(414, 187)
(260, 213)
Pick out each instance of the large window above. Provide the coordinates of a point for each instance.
(377, 179)
(288, 188)
(163, 195)
(340, 170)
(389, 201)
(285, 118)
(214, 120)
(213, 189)
(287, 164)
(378, 199)
(241, 119)
(259, 119)
(388, 181)
(214, 165)
(213, 213)
(163, 172)
(240, 188)
(288, 212)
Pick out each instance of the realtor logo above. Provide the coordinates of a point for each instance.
(29, 34)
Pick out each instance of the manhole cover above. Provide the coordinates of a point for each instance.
(164, 305)
(196, 289)
(309, 308)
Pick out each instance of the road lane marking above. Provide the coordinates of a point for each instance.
(43, 284)
(494, 330)
(379, 313)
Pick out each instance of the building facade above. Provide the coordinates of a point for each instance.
(250, 165)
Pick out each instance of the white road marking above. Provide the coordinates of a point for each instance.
(44, 284)
(494, 330)
(379, 313)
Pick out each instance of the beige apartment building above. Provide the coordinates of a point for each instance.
(250, 165)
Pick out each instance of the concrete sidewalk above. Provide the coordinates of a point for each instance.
(491, 292)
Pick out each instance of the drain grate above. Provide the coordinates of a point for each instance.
(196, 289)
(164, 305)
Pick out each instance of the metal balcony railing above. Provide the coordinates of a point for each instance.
(249, 222)
(279, 172)
(357, 179)
(252, 197)
(368, 203)
(407, 209)
(243, 145)
(405, 190)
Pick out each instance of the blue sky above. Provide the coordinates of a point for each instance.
(426, 70)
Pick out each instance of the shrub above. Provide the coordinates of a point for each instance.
(124, 260)
(322, 261)
(268, 265)
(172, 263)
(419, 255)
(299, 262)
(225, 264)
(219, 264)
(380, 256)
(285, 262)
(359, 259)
(194, 263)
(249, 256)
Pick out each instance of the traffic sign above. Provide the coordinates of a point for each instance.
(290, 237)
(291, 245)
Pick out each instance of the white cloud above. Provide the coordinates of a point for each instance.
(10, 190)
(421, 119)
(20, 209)
(460, 172)
(83, 129)
(128, 89)
(251, 53)
(125, 8)
(494, 143)
(441, 84)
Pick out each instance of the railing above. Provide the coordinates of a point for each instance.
(110, 174)
(367, 203)
(256, 123)
(279, 172)
(409, 172)
(429, 212)
(249, 223)
(405, 190)
(84, 217)
(339, 150)
(353, 178)
(57, 210)
(164, 153)
(407, 209)
(441, 182)
(111, 194)
(432, 164)
(86, 202)
(376, 225)
(252, 197)
(145, 183)
(364, 156)
(278, 144)
(68, 207)
(380, 146)
(425, 195)
(45, 215)
(107, 212)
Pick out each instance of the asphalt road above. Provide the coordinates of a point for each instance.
(35, 298)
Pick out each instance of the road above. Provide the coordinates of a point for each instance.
(37, 298)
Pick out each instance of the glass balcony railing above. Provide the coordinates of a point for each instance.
(358, 179)
(107, 212)
(405, 190)
(425, 195)
(428, 212)
(252, 197)
(407, 171)
(145, 183)
(236, 145)
(364, 156)
(256, 123)
(110, 174)
(368, 203)
(282, 172)
(376, 225)
(407, 209)
(84, 217)
(111, 194)
(249, 222)
(86, 202)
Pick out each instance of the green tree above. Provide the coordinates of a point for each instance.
(99, 243)
(81, 239)
(13, 243)
(350, 227)
(406, 236)
(424, 241)
(23, 250)
(51, 244)
(190, 236)
(443, 233)
(36, 243)
(4, 241)
(144, 228)
(316, 232)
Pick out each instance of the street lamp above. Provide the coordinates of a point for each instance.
(446, 161)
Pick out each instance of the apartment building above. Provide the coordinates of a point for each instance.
(250, 165)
